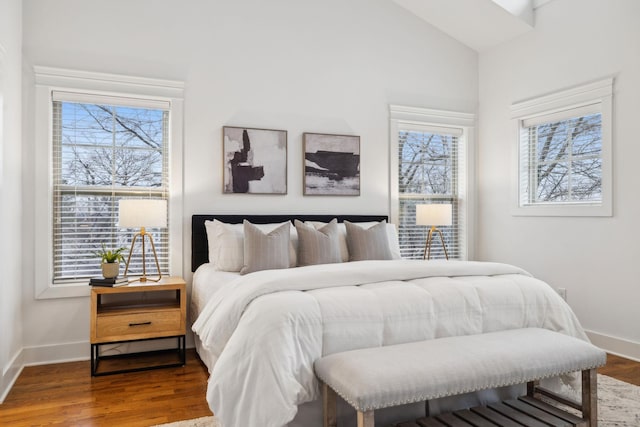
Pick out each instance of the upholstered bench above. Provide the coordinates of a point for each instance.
(380, 377)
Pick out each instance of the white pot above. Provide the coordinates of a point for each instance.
(110, 269)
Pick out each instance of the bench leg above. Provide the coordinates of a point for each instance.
(590, 397)
(330, 418)
(531, 388)
(365, 419)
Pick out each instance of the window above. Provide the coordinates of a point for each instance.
(564, 165)
(102, 138)
(429, 166)
(561, 160)
(104, 151)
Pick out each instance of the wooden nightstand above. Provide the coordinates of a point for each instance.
(137, 312)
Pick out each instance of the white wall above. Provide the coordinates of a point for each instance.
(10, 189)
(331, 66)
(595, 259)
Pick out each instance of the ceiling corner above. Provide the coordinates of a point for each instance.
(479, 24)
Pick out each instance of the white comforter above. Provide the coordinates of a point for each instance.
(266, 333)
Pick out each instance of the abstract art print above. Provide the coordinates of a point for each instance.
(331, 165)
(255, 160)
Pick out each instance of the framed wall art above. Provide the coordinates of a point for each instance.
(331, 165)
(255, 160)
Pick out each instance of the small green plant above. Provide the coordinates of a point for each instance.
(110, 256)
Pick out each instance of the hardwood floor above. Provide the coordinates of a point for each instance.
(621, 369)
(65, 394)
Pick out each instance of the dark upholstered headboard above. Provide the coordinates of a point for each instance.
(200, 246)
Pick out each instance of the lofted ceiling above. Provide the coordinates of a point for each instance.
(479, 24)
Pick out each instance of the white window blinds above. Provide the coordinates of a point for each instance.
(105, 148)
(561, 157)
(430, 161)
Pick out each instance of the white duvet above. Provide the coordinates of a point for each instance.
(267, 328)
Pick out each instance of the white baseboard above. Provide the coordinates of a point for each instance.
(615, 345)
(42, 355)
(10, 374)
(60, 353)
(56, 353)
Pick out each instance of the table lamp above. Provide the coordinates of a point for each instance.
(433, 215)
(142, 213)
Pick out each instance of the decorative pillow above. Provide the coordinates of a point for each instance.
(321, 246)
(371, 243)
(392, 235)
(226, 243)
(342, 237)
(265, 251)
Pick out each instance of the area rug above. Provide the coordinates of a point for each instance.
(198, 422)
(618, 406)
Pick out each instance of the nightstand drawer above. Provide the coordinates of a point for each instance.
(139, 311)
(139, 325)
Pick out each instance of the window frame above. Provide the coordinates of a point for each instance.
(562, 103)
(432, 120)
(48, 80)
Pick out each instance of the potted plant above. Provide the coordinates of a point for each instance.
(110, 261)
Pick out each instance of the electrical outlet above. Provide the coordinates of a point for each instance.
(563, 293)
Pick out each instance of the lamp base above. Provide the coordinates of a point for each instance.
(427, 245)
(144, 277)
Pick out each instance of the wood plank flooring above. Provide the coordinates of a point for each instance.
(65, 394)
(621, 369)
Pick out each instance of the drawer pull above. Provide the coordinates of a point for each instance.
(139, 324)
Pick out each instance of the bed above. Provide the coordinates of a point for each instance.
(259, 333)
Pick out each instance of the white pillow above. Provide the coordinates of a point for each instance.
(226, 243)
(392, 235)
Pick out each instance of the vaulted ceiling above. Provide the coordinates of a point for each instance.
(479, 24)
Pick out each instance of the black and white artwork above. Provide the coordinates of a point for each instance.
(255, 160)
(331, 165)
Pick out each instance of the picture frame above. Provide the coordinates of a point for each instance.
(254, 160)
(331, 164)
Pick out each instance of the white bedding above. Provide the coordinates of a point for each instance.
(207, 280)
(264, 330)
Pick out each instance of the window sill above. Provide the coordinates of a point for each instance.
(64, 290)
(576, 210)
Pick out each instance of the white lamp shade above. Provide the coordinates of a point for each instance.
(142, 213)
(436, 214)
